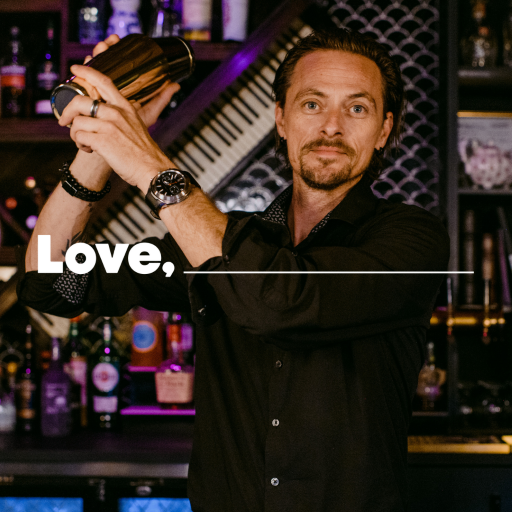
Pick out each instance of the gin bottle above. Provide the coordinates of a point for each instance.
(55, 397)
(105, 365)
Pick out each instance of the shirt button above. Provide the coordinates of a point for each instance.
(226, 259)
(202, 311)
(274, 482)
(275, 423)
(279, 364)
(295, 253)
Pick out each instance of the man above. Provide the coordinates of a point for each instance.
(304, 381)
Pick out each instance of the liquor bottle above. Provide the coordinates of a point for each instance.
(55, 397)
(147, 335)
(507, 37)
(7, 409)
(91, 22)
(125, 18)
(13, 79)
(430, 380)
(76, 367)
(165, 21)
(105, 367)
(174, 379)
(26, 388)
(197, 19)
(47, 77)
(479, 46)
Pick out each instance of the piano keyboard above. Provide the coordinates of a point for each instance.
(214, 146)
(232, 127)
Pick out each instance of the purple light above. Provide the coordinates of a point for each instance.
(29, 370)
(48, 56)
(107, 350)
(31, 221)
(178, 317)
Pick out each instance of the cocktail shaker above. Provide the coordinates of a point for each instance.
(138, 65)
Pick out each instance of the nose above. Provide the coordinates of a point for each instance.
(333, 123)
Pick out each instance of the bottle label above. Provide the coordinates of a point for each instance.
(105, 377)
(77, 371)
(144, 336)
(55, 397)
(174, 387)
(44, 107)
(105, 403)
(47, 80)
(197, 14)
(13, 76)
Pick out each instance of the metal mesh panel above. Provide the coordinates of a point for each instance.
(409, 29)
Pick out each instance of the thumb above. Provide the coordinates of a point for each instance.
(153, 108)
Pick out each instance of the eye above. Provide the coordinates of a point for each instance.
(359, 109)
(311, 105)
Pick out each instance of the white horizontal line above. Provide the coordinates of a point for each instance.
(327, 272)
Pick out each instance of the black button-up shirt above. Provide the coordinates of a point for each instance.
(304, 381)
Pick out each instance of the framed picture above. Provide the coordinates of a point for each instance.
(485, 149)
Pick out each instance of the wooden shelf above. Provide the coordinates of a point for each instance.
(155, 410)
(204, 51)
(30, 5)
(489, 77)
(7, 257)
(483, 192)
(33, 130)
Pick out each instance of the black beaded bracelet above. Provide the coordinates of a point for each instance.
(72, 187)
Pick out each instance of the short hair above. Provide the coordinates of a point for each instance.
(360, 44)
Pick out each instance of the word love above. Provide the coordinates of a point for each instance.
(143, 258)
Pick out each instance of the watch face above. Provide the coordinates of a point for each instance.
(169, 184)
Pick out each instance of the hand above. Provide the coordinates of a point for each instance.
(118, 133)
(151, 110)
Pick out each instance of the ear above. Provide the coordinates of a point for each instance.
(387, 126)
(279, 113)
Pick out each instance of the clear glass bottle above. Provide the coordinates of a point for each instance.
(479, 46)
(13, 79)
(26, 388)
(105, 371)
(165, 20)
(91, 21)
(174, 378)
(55, 397)
(429, 381)
(75, 356)
(125, 18)
(47, 76)
(197, 20)
(7, 408)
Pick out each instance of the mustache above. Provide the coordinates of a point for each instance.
(339, 144)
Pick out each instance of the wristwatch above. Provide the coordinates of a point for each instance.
(169, 187)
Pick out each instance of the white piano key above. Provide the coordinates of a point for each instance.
(149, 228)
(158, 227)
(193, 152)
(115, 226)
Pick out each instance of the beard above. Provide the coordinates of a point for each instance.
(315, 178)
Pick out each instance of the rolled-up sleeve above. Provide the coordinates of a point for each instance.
(294, 308)
(110, 294)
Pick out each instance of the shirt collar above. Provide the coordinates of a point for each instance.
(358, 203)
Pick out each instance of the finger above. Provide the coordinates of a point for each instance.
(112, 39)
(80, 107)
(102, 83)
(99, 48)
(152, 110)
(87, 59)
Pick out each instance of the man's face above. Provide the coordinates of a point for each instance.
(333, 117)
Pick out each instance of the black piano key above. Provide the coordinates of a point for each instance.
(225, 96)
(184, 164)
(248, 83)
(267, 59)
(251, 80)
(243, 102)
(252, 67)
(207, 121)
(190, 135)
(194, 130)
(115, 215)
(104, 226)
(239, 130)
(141, 210)
(133, 221)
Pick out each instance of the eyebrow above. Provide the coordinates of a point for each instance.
(314, 92)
